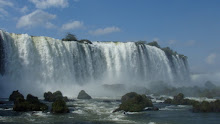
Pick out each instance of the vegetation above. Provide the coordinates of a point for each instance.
(15, 95)
(30, 104)
(134, 102)
(51, 97)
(207, 106)
(83, 95)
(179, 100)
(70, 37)
(154, 43)
(59, 106)
(141, 42)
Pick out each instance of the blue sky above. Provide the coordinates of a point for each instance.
(191, 27)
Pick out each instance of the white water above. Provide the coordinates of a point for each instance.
(34, 64)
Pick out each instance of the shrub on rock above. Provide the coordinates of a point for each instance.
(30, 104)
(207, 106)
(52, 97)
(83, 95)
(59, 106)
(134, 102)
(15, 95)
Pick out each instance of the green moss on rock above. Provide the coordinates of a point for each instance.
(134, 102)
(30, 104)
(59, 106)
(15, 95)
(52, 97)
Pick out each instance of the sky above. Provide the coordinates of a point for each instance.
(190, 27)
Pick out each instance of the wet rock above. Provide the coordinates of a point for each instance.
(52, 97)
(31, 104)
(151, 109)
(59, 106)
(207, 106)
(83, 95)
(15, 95)
(179, 100)
(134, 102)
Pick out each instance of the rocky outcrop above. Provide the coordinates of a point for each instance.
(52, 97)
(15, 95)
(207, 106)
(83, 95)
(59, 106)
(30, 104)
(134, 102)
(179, 100)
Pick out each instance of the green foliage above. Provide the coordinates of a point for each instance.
(59, 106)
(179, 100)
(154, 43)
(31, 104)
(134, 102)
(168, 101)
(141, 42)
(15, 95)
(207, 106)
(70, 37)
(51, 97)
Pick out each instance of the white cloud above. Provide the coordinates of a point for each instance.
(72, 25)
(156, 39)
(36, 18)
(24, 9)
(211, 58)
(3, 4)
(44, 4)
(171, 42)
(104, 31)
(190, 43)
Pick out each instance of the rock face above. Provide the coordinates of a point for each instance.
(15, 95)
(179, 100)
(59, 106)
(83, 95)
(207, 106)
(134, 102)
(52, 97)
(30, 104)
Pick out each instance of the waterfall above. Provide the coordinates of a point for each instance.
(32, 63)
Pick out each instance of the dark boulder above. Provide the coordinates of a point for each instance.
(168, 101)
(152, 109)
(52, 97)
(59, 106)
(207, 106)
(15, 95)
(178, 99)
(83, 95)
(30, 104)
(134, 102)
(48, 96)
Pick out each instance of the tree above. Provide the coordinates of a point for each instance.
(70, 37)
(154, 43)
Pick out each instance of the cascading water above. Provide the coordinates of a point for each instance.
(41, 63)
